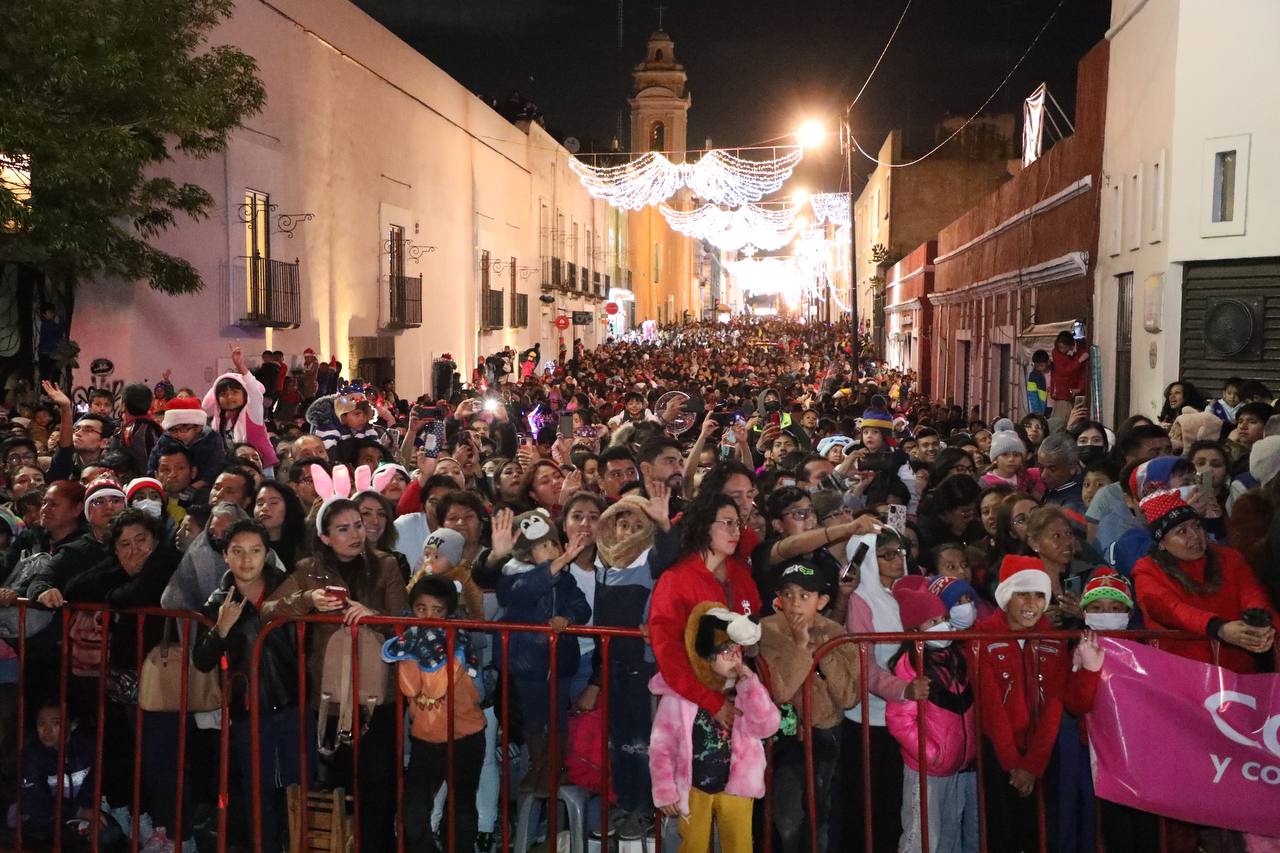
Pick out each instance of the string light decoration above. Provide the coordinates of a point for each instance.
(718, 177)
(767, 276)
(830, 207)
(750, 225)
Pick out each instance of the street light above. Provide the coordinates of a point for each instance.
(811, 134)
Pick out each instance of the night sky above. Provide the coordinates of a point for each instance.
(756, 69)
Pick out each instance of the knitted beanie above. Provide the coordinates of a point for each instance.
(951, 590)
(917, 605)
(139, 483)
(1152, 475)
(1164, 511)
(101, 488)
(1006, 441)
(1106, 583)
(449, 544)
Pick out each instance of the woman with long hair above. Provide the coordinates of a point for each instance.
(279, 511)
(345, 559)
(1011, 530)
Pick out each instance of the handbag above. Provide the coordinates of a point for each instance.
(160, 680)
(88, 637)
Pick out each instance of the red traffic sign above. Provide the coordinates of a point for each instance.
(562, 323)
(611, 308)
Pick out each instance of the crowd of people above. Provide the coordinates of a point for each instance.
(740, 494)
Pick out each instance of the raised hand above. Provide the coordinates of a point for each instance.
(55, 394)
(503, 537)
(229, 614)
(658, 507)
(1088, 654)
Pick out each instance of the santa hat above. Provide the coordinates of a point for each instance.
(139, 483)
(101, 488)
(1106, 583)
(1152, 475)
(951, 590)
(184, 410)
(1022, 574)
(1264, 459)
(1164, 511)
(916, 604)
(308, 353)
(1006, 441)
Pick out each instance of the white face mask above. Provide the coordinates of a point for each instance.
(150, 506)
(941, 628)
(963, 616)
(1107, 621)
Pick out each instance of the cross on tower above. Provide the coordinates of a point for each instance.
(661, 8)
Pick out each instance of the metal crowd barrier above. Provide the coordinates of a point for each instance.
(501, 632)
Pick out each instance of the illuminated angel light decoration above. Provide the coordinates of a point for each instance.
(764, 228)
(718, 177)
(830, 207)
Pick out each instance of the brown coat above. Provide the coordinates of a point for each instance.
(381, 590)
(789, 666)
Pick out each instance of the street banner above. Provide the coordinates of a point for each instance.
(1187, 740)
(1033, 126)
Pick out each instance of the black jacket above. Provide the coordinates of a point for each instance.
(278, 667)
(71, 558)
(107, 583)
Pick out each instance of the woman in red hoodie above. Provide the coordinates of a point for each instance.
(1186, 584)
(711, 570)
(1023, 687)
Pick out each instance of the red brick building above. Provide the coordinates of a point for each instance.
(908, 317)
(1020, 265)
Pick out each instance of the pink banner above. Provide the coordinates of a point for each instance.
(1187, 740)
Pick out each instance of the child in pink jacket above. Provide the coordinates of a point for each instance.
(949, 726)
(703, 773)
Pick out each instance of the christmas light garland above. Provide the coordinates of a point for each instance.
(830, 207)
(750, 225)
(718, 177)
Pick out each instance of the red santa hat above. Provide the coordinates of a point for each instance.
(139, 483)
(184, 410)
(1022, 574)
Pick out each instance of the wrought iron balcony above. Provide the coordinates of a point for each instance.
(406, 302)
(272, 294)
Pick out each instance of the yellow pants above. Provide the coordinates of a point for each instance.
(731, 816)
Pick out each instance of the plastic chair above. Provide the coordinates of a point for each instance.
(575, 803)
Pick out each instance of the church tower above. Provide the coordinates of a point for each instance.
(662, 260)
(659, 101)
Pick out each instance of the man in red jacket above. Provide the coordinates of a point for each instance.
(1069, 377)
(1023, 687)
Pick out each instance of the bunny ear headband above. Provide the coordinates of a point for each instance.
(384, 475)
(330, 489)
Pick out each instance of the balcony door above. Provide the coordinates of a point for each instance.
(256, 213)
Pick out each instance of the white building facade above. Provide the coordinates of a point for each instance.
(376, 211)
(1188, 279)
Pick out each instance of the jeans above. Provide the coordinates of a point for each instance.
(428, 771)
(490, 788)
(534, 696)
(278, 768)
(953, 812)
(630, 720)
(790, 791)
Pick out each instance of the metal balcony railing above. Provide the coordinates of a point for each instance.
(406, 302)
(273, 294)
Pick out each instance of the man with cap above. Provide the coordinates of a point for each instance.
(102, 500)
(788, 639)
(1188, 584)
(1020, 724)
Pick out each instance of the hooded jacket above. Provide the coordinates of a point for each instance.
(678, 591)
(533, 595)
(836, 686)
(950, 738)
(250, 426)
(671, 739)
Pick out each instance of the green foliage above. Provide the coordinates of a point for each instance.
(99, 94)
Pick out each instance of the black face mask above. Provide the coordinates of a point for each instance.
(1091, 453)
(772, 405)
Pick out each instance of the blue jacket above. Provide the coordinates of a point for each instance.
(40, 780)
(532, 594)
(622, 601)
(208, 454)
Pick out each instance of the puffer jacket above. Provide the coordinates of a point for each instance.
(950, 739)
(531, 594)
(671, 742)
(278, 666)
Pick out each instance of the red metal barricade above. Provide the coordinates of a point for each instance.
(63, 626)
(500, 633)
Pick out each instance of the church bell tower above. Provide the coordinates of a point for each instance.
(659, 101)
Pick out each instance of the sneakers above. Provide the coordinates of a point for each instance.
(484, 842)
(616, 816)
(633, 826)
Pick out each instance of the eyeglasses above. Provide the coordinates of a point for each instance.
(86, 428)
(729, 523)
(20, 459)
(896, 554)
(798, 514)
(839, 513)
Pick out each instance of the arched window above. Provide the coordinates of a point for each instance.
(658, 55)
(658, 137)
